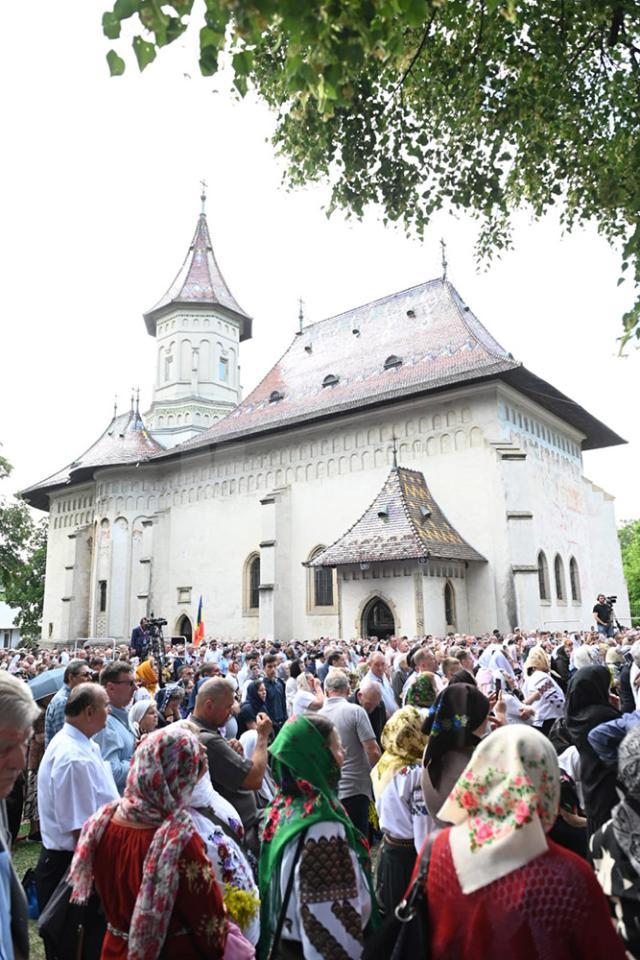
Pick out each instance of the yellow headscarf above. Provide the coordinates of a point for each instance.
(538, 660)
(148, 677)
(403, 742)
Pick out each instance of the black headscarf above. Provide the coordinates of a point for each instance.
(587, 705)
(463, 676)
(457, 712)
(254, 699)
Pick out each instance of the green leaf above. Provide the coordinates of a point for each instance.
(123, 9)
(110, 25)
(145, 52)
(116, 64)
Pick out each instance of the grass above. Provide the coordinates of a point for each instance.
(25, 855)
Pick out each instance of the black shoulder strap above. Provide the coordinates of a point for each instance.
(287, 896)
(406, 907)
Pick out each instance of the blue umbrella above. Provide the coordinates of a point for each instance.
(46, 683)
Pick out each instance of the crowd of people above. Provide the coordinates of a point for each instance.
(269, 800)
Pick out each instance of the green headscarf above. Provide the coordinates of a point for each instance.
(308, 775)
(422, 692)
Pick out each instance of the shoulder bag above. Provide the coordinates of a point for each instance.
(405, 934)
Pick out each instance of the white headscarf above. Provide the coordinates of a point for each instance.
(502, 806)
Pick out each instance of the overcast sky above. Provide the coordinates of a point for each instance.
(99, 199)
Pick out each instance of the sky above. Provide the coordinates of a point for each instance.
(99, 198)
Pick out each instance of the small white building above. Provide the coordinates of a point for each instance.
(9, 633)
(237, 500)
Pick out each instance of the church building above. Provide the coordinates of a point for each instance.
(396, 471)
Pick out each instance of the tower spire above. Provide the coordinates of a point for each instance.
(395, 450)
(203, 197)
(300, 315)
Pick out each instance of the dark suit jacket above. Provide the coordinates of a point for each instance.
(18, 907)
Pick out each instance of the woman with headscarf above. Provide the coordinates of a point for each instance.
(587, 706)
(256, 696)
(147, 679)
(149, 864)
(400, 806)
(616, 851)
(308, 831)
(541, 691)
(455, 724)
(143, 718)
(168, 700)
(496, 885)
(422, 692)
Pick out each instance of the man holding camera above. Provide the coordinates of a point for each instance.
(602, 614)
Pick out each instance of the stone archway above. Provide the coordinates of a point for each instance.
(377, 619)
(184, 628)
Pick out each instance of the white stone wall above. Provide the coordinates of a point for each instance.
(185, 529)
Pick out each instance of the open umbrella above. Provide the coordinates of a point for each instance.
(46, 683)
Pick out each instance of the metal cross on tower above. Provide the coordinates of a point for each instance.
(443, 246)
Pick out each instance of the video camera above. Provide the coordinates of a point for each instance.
(611, 601)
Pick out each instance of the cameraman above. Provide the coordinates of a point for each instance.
(602, 615)
(140, 639)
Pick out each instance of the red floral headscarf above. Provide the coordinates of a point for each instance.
(164, 771)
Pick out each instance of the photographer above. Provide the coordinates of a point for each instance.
(603, 615)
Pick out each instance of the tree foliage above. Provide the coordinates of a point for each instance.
(23, 553)
(484, 106)
(629, 537)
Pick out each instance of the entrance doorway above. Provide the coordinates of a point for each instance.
(377, 620)
(184, 628)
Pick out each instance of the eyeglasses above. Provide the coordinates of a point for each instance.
(131, 683)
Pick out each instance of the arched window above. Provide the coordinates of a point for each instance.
(558, 569)
(251, 585)
(574, 577)
(450, 606)
(543, 577)
(322, 587)
(392, 361)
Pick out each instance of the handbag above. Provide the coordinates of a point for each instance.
(405, 934)
(71, 931)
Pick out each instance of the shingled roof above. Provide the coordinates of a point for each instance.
(404, 522)
(199, 283)
(125, 440)
(420, 340)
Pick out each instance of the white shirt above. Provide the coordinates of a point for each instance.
(73, 782)
(401, 809)
(301, 701)
(550, 705)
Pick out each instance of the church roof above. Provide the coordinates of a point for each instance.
(125, 441)
(420, 340)
(199, 282)
(404, 522)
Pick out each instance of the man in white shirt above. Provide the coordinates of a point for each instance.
(376, 674)
(73, 782)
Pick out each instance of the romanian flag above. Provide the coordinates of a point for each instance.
(199, 634)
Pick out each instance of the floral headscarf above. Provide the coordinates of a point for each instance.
(403, 743)
(164, 770)
(503, 805)
(626, 816)
(422, 691)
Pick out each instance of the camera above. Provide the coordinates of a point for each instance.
(611, 601)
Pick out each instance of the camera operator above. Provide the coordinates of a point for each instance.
(140, 639)
(603, 615)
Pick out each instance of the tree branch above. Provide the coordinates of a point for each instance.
(415, 57)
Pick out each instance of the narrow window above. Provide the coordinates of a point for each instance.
(102, 604)
(558, 568)
(223, 369)
(254, 584)
(543, 577)
(574, 577)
